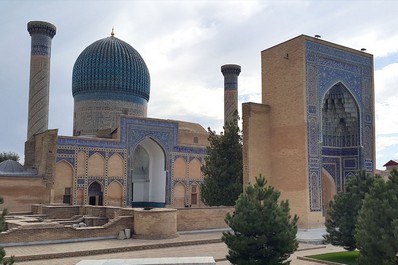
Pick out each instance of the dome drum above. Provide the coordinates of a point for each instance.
(93, 115)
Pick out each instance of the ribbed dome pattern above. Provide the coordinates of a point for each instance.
(110, 68)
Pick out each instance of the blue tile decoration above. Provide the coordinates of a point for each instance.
(80, 181)
(327, 66)
(93, 152)
(110, 67)
(190, 150)
(350, 163)
(65, 151)
(133, 130)
(70, 160)
(42, 34)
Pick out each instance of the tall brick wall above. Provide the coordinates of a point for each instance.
(256, 141)
(40, 153)
(20, 192)
(284, 90)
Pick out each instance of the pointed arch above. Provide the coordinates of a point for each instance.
(149, 174)
(115, 194)
(63, 182)
(160, 145)
(96, 166)
(179, 192)
(195, 171)
(180, 168)
(340, 118)
(115, 166)
(340, 84)
(95, 193)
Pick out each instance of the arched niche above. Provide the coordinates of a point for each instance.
(114, 194)
(63, 182)
(180, 168)
(179, 195)
(195, 169)
(96, 194)
(96, 166)
(148, 174)
(115, 166)
(340, 118)
(341, 139)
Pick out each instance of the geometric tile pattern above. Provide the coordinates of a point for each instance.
(132, 132)
(327, 66)
(111, 66)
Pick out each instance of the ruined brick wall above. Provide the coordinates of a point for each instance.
(59, 232)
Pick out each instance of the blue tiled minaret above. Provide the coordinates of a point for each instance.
(41, 35)
(231, 73)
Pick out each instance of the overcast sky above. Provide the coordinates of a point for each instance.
(184, 44)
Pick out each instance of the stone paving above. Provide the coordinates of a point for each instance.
(186, 245)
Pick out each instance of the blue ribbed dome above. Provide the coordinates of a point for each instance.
(110, 69)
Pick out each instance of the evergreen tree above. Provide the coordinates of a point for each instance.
(8, 155)
(2, 228)
(263, 230)
(2, 216)
(377, 226)
(223, 169)
(342, 213)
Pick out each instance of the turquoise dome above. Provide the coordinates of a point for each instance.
(110, 69)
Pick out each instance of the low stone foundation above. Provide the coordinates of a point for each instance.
(50, 223)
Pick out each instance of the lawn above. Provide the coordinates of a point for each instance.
(344, 257)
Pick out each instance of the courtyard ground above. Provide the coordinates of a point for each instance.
(186, 245)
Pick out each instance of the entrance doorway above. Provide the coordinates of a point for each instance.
(95, 194)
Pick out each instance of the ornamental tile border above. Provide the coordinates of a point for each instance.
(325, 67)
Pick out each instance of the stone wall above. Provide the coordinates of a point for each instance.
(60, 232)
(54, 222)
(68, 211)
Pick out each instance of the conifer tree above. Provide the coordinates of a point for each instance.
(2, 216)
(377, 226)
(223, 170)
(343, 211)
(263, 232)
(9, 155)
(2, 228)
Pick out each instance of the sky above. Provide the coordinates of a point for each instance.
(184, 44)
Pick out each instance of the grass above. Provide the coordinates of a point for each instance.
(344, 257)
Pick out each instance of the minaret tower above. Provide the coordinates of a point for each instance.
(41, 34)
(231, 73)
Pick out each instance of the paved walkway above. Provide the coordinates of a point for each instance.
(192, 244)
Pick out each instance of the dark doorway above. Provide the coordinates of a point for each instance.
(95, 194)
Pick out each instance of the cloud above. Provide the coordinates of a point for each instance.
(184, 44)
(386, 97)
